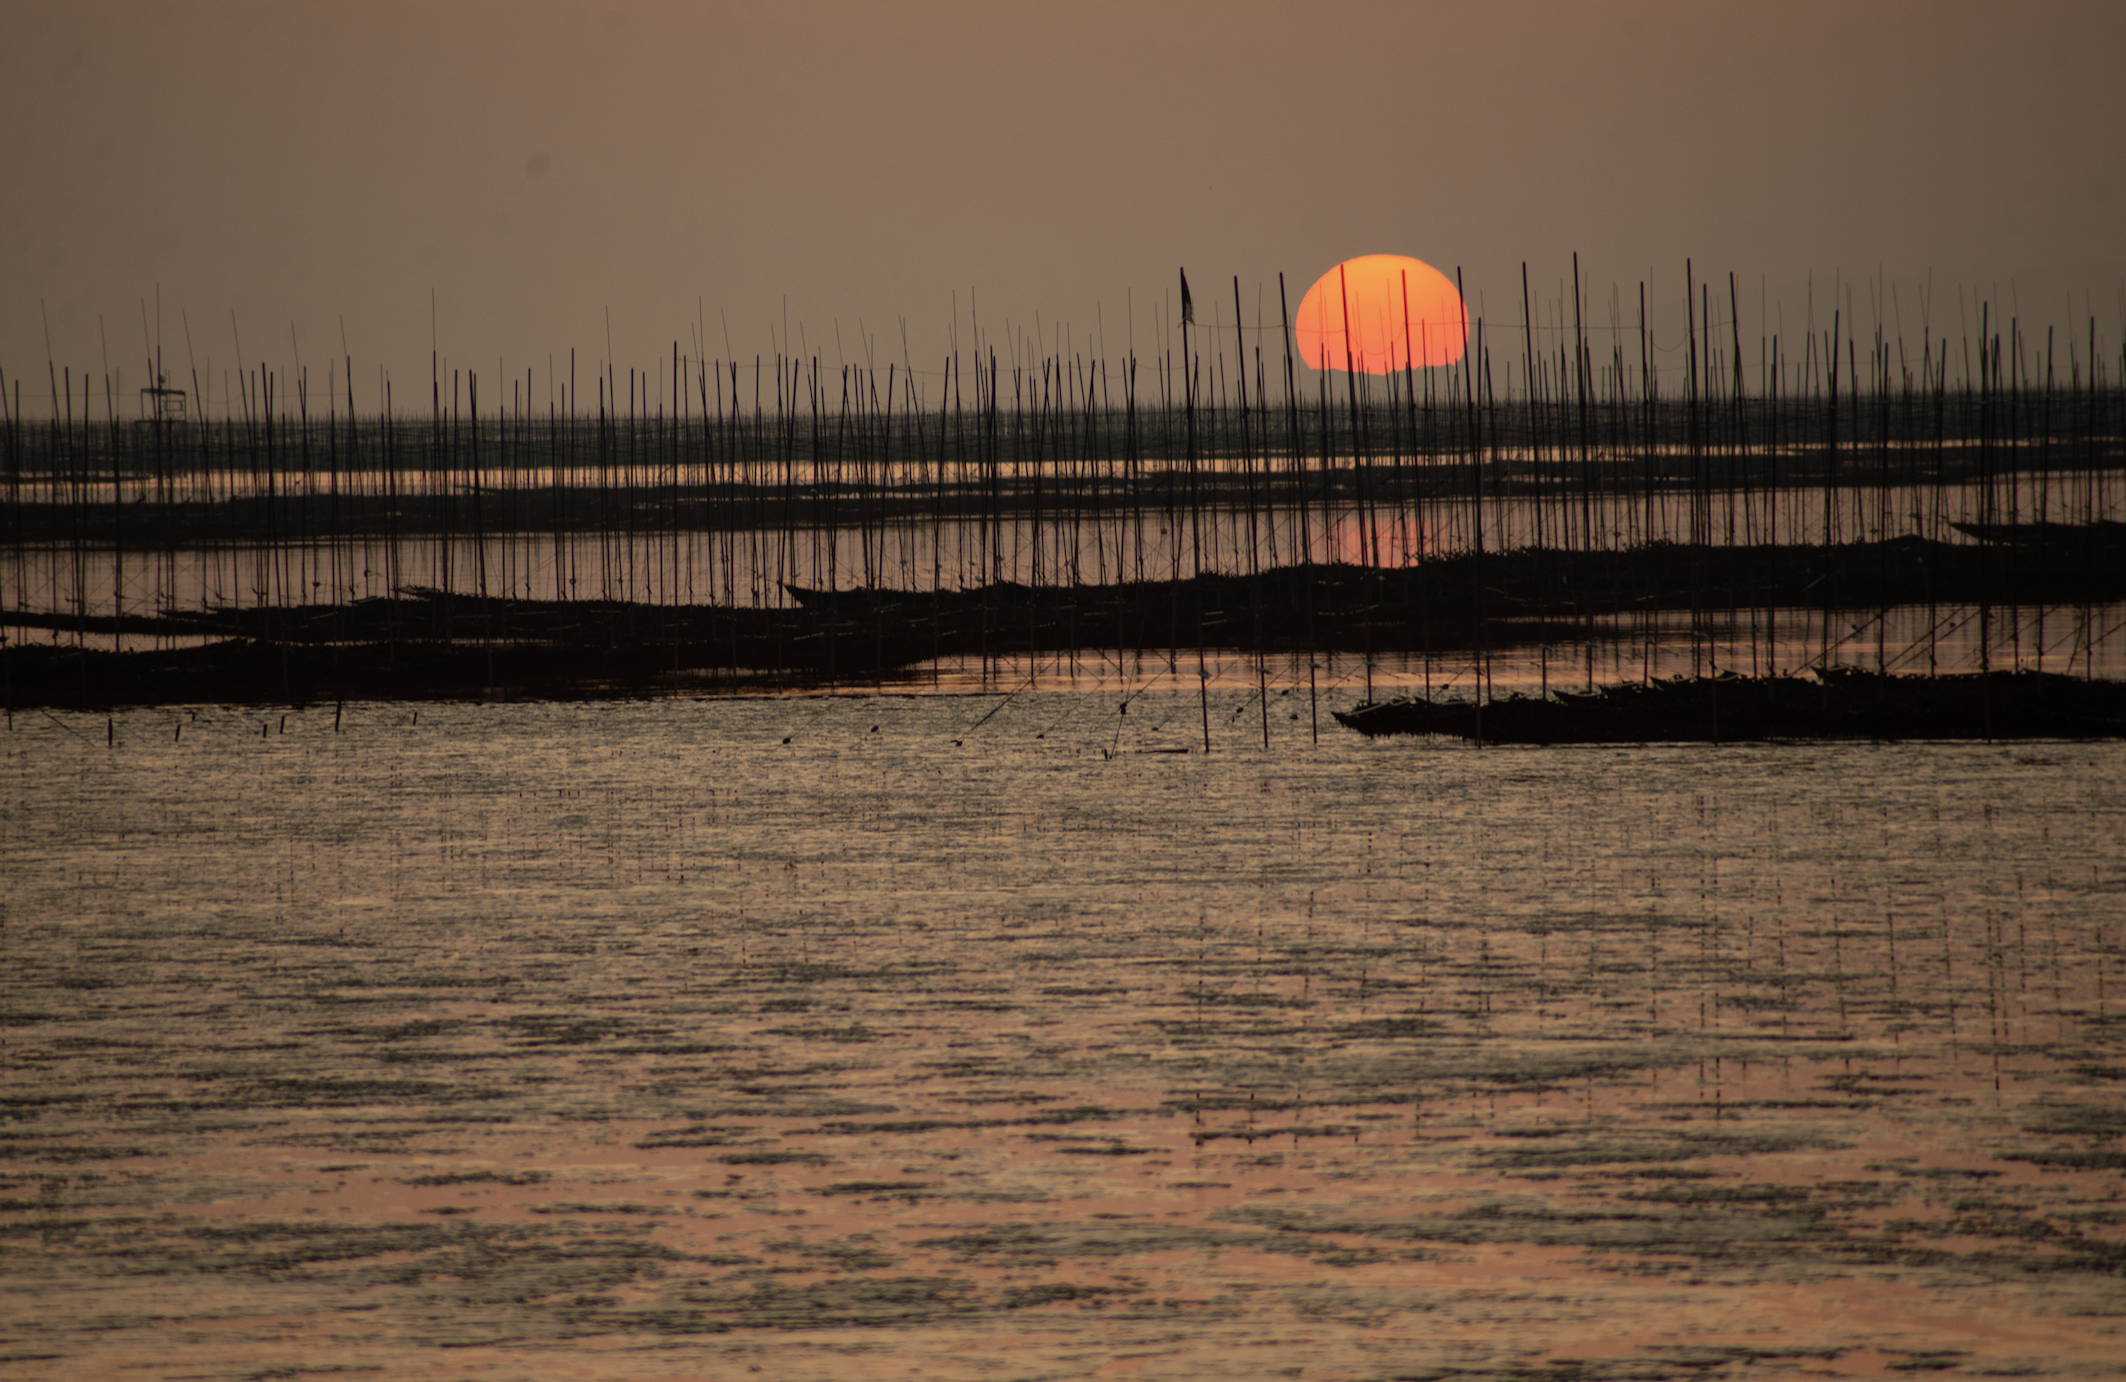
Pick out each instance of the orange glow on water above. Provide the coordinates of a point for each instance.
(1380, 312)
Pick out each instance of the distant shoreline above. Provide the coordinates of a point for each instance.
(428, 644)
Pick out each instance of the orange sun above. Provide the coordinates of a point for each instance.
(1380, 312)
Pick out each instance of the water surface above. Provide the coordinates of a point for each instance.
(985, 1036)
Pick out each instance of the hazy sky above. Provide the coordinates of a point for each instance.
(536, 165)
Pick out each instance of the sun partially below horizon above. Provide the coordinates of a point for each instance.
(1379, 313)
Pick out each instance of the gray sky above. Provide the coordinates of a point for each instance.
(536, 165)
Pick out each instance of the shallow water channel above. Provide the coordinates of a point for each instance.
(973, 1036)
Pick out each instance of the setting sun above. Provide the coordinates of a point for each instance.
(1398, 311)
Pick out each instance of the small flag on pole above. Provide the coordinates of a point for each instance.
(1188, 304)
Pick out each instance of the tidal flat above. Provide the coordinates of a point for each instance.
(973, 1036)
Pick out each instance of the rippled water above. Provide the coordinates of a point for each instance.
(974, 1036)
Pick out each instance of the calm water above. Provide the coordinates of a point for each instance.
(814, 541)
(973, 1036)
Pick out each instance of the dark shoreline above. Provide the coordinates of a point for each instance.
(424, 644)
(1837, 703)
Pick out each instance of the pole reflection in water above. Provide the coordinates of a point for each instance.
(1003, 1033)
